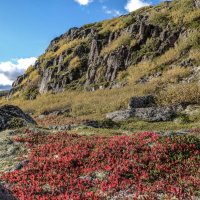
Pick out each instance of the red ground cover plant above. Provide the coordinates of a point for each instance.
(139, 166)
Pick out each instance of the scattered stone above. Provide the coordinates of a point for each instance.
(56, 112)
(187, 63)
(62, 128)
(12, 132)
(145, 108)
(192, 110)
(21, 165)
(100, 175)
(41, 116)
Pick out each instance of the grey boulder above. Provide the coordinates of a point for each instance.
(120, 115)
(12, 115)
(155, 114)
(151, 114)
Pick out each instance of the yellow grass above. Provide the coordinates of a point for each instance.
(140, 70)
(74, 63)
(173, 75)
(83, 103)
(177, 93)
(124, 39)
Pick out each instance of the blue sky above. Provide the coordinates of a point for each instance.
(27, 26)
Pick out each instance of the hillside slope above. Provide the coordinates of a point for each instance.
(97, 68)
(160, 41)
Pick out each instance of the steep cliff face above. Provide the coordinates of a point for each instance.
(96, 55)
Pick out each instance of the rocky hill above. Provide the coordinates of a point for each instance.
(153, 45)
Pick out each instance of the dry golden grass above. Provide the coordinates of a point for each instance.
(173, 75)
(32, 78)
(83, 103)
(69, 45)
(140, 70)
(63, 45)
(195, 54)
(192, 16)
(74, 63)
(174, 53)
(112, 25)
(177, 93)
(29, 69)
(124, 39)
(180, 10)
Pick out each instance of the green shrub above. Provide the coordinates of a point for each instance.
(159, 18)
(30, 93)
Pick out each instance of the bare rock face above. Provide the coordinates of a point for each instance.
(13, 117)
(155, 114)
(120, 115)
(5, 194)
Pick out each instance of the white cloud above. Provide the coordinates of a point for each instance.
(83, 2)
(10, 70)
(135, 4)
(4, 80)
(112, 12)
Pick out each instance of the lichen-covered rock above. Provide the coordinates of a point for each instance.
(13, 117)
(151, 114)
(155, 114)
(120, 115)
(20, 165)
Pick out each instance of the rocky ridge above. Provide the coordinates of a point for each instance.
(93, 56)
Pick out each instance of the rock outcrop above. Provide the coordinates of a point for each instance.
(155, 114)
(92, 56)
(144, 108)
(120, 115)
(13, 117)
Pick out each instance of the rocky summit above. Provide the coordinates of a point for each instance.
(161, 41)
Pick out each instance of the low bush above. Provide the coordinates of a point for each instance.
(70, 166)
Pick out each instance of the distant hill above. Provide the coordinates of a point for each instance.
(5, 87)
(4, 93)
